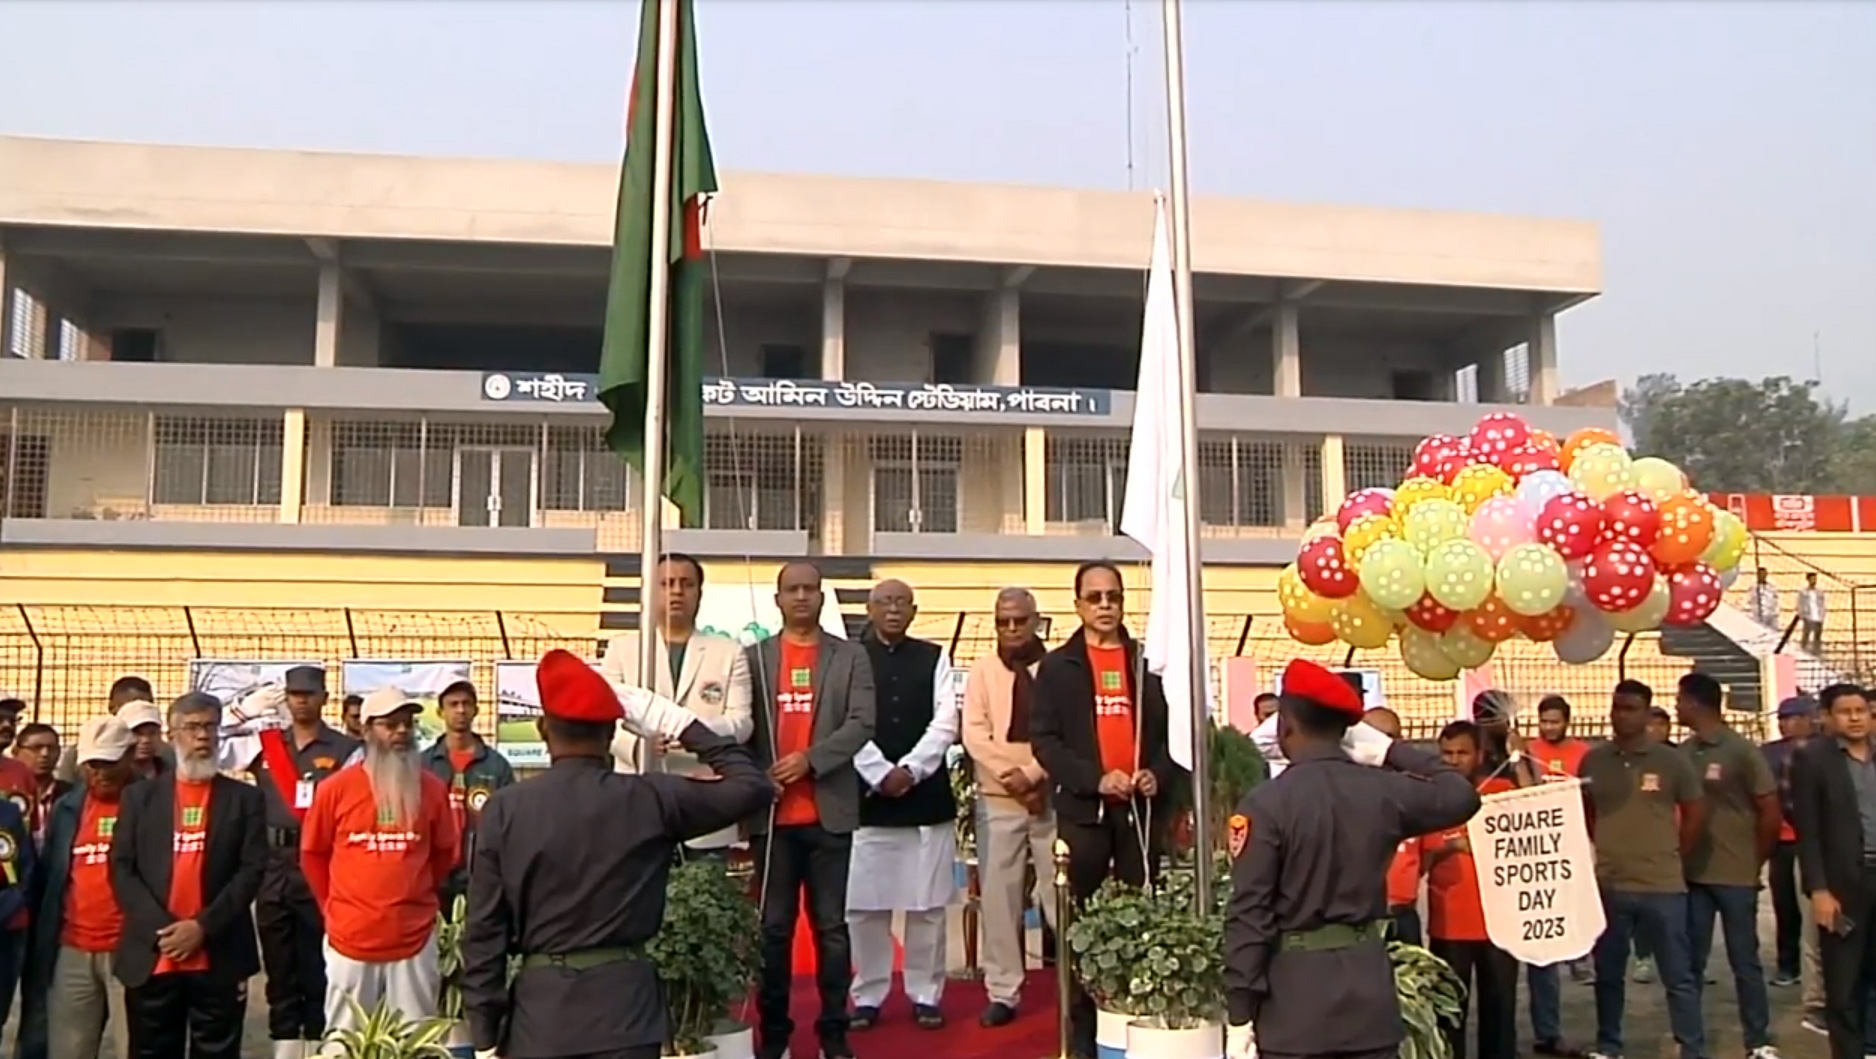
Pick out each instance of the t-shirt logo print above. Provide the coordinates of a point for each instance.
(386, 816)
(107, 826)
(800, 677)
(1110, 680)
(192, 816)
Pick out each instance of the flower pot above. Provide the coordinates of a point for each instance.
(1148, 1040)
(458, 1043)
(707, 1053)
(1110, 1034)
(734, 1041)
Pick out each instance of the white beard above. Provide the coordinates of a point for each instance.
(196, 769)
(394, 776)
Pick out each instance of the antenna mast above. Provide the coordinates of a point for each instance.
(1127, 7)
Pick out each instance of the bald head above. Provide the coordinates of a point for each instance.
(1383, 720)
(890, 609)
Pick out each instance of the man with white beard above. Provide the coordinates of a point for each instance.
(376, 846)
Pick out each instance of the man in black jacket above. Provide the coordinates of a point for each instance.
(1837, 859)
(1098, 727)
(186, 863)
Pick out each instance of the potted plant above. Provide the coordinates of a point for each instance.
(1176, 990)
(1432, 1001)
(384, 1033)
(1105, 943)
(449, 927)
(706, 956)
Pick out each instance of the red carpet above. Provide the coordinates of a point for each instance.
(1032, 1036)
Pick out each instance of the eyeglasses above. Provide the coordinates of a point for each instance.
(1095, 599)
(1015, 624)
(195, 728)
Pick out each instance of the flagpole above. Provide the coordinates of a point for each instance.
(1189, 436)
(657, 340)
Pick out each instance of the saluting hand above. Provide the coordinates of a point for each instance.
(789, 769)
(1145, 783)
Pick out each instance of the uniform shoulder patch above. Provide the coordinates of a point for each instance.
(1239, 833)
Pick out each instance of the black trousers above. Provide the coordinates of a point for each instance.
(292, 936)
(185, 1016)
(790, 860)
(1849, 964)
(1107, 848)
(1787, 915)
(1491, 974)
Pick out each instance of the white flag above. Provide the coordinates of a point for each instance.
(1153, 511)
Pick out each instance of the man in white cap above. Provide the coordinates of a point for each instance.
(78, 922)
(145, 721)
(377, 846)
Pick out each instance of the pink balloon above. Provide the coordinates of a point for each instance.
(1571, 523)
(1498, 526)
(1694, 593)
(1618, 576)
(1363, 502)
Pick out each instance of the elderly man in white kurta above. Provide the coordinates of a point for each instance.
(905, 852)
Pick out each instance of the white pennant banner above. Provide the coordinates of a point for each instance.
(1537, 872)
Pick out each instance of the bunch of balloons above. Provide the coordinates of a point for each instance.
(1509, 532)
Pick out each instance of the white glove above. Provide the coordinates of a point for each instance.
(1366, 745)
(652, 716)
(264, 707)
(487, 1053)
(1264, 738)
(1240, 1042)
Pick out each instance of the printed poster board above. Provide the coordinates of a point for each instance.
(232, 679)
(517, 707)
(423, 681)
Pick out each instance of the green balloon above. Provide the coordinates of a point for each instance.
(1466, 647)
(1420, 652)
(1432, 522)
(1532, 580)
(1459, 575)
(1391, 574)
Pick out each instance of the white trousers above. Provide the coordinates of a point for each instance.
(924, 969)
(1009, 841)
(413, 988)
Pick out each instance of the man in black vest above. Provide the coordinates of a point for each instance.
(906, 849)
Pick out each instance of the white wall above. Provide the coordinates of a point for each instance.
(216, 330)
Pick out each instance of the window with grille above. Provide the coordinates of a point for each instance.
(24, 338)
(915, 484)
(25, 466)
(578, 472)
(216, 461)
(390, 465)
(1085, 479)
(754, 482)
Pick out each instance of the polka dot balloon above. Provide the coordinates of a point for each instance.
(1456, 460)
(1466, 647)
(1298, 602)
(1497, 434)
(1545, 627)
(1686, 529)
(1492, 621)
(1420, 652)
(1309, 634)
(1325, 570)
(1694, 593)
(1571, 523)
(1360, 624)
(1528, 459)
(1583, 439)
(1432, 452)
(1431, 615)
(1364, 532)
(1363, 502)
(1475, 484)
(1618, 575)
(1631, 515)
(1532, 580)
(1601, 471)
(1413, 491)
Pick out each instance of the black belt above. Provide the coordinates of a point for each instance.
(582, 959)
(283, 837)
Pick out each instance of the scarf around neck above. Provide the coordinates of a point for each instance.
(1018, 661)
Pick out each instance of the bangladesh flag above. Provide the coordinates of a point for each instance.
(624, 358)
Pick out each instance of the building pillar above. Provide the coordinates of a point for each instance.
(1542, 352)
(1334, 471)
(292, 465)
(1035, 481)
(834, 326)
(1286, 351)
(327, 319)
(6, 306)
(1000, 338)
(1491, 378)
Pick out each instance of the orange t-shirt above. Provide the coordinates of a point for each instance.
(1454, 912)
(1403, 875)
(1557, 761)
(185, 879)
(92, 919)
(1113, 709)
(376, 879)
(794, 729)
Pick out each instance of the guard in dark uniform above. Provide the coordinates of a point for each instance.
(1305, 943)
(570, 869)
(288, 763)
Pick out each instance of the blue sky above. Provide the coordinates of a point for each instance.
(1727, 149)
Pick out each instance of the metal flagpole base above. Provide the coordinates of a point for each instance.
(1064, 957)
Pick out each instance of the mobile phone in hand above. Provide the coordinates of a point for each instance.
(1843, 926)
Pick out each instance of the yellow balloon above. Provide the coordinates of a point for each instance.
(1420, 652)
(1360, 624)
(1298, 602)
(1466, 647)
(1658, 478)
(1476, 484)
(1413, 491)
(1602, 470)
(1322, 527)
(1364, 532)
(1729, 542)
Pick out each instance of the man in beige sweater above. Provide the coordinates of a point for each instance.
(1015, 825)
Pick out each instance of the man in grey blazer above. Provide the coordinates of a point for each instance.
(814, 697)
(705, 673)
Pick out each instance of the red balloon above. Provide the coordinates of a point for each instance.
(1325, 570)
(1432, 615)
(1546, 627)
(1458, 459)
(1363, 502)
(1631, 516)
(1499, 433)
(1694, 593)
(1528, 459)
(1431, 452)
(1492, 621)
(1618, 576)
(1571, 523)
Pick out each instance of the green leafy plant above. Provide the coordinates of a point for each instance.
(1235, 767)
(384, 1033)
(1432, 1000)
(449, 928)
(1150, 954)
(706, 952)
(963, 778)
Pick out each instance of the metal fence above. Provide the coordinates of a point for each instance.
(1849, 608)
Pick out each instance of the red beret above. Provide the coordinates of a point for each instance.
(1307, 680)
(572, 691)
